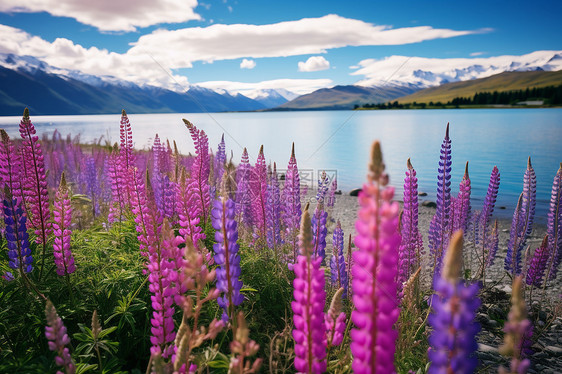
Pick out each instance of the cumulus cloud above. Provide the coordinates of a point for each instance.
(434, 71)
(298, 86)
(110, 15)
(314, 63)
(247, 64)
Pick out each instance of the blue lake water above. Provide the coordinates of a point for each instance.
(339, 141)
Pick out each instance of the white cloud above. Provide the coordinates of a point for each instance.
(474, 54)
(314, 63)
(247, 64)
(110, 15)
(298, 86)
(434, 71)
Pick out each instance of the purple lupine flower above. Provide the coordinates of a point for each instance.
(62, 220)
(453, 339)
(168, 197)
(517, 329)
(220, 160)
(319, 231)
(323, 184)
(119, 194)
(485, 216)
(337, 262)
(374, 274)
(411, 246)
(461, 205)
(273, 211)
(126, 141)
(309, 329)
(242, 196)
(189, 211)
(17, 238)
(93, 185)
(439, 226)
(157, 173)
(292, 203)
(226, 256)
(554, 226)
(335, 320)
(36, 196)
(258, 184)
(55, 331)
(537, 266)
(200, 169)
(331, 200)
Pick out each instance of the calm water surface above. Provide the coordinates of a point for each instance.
(340, 141)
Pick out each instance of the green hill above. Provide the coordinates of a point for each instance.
(507, 81)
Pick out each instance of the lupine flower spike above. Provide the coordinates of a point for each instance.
(243, 348)
(292, 203)
(337, 261)
(374, 274)
(484, 219)
(227, 257)
(554, 227)
(17, 238)
(335, 320)
(308, 307)
(516, 328)
(439, 226)
(453, 339)
(55, 331)
(62, 231)
(258, 185)
(537, 266)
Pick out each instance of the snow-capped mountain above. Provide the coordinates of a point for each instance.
(428, 72)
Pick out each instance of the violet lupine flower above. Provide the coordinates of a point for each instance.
(335, 320)
(323, 184)
(537, 266)
(168, 197)
(93, 185)
(61, 225)
(439, 226)
(461, 205)
(337, 262)
(331, 200)
(292, 210)
(411, 246)
(319, 231)
(189, 211)
(258, 184)
(517, 329)
(453, 339)
(374, 274)
(226, 256)
(243, 197)
(126, 141)
(10, 167)
(220, 160)
(485, 215)
(17, 238)
(308, 307)
(55, 331)
(273, 211)
(36, 197)
(200, 169)
(554, 226)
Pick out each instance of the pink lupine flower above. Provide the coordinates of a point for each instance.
(62, 221)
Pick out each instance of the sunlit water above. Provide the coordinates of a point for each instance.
(339, 141)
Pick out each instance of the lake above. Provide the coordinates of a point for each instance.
(340, 141)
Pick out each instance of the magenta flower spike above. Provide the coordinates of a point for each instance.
(118, 186)
(461, 205)
(36, 196)
(10, 167)
(189, 212)
(227, 257)
(62, 231)
(374, 274)
(453, 339)
(200, 169)
(292, 203)
(439, 226)
(554, 226)
(308, 307)
(537, 266)
(522, 222)
(156, 172)
(126, 144)
(411, 246)
(273, 211)
(258, 184)
(55, 331)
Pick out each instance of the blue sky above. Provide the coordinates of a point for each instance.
(97, 37)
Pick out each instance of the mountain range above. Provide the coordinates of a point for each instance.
(44, 89)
